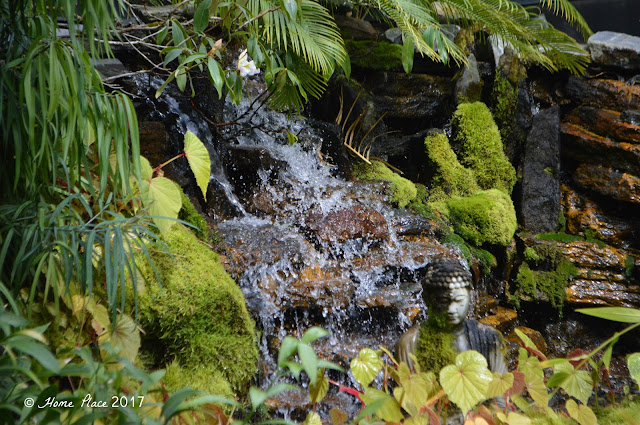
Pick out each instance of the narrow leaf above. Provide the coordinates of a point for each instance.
(617, 314)
(201, 16)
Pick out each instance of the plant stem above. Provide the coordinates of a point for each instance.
(159, 167)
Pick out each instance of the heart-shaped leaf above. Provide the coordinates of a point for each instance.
(389, 409)
(577, 383)
(581, 413)
(500, 384)
(124, 335)
(318, 390)
(467, 382)
(199, 161)
(633, 363)
(366, 366)
(162, 197)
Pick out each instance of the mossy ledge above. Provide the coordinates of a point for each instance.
(379, 56)
(198, 316)
(403, 191)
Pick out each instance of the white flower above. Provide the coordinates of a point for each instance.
(246, 68)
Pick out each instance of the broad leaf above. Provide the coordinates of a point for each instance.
(124, 335)
(146, 172)
(467, 382)
(389, 409)
(513, 418)
(633, 363)
(577, 383)
(413, 390)
(537, 389)
(199, 161)
(366, 366)
(617, 314)
(581, 413)
(162, 197)
(312, 419)
(338, 417)
(318, 390)
(500, 384)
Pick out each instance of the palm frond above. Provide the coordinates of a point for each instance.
(565, 9)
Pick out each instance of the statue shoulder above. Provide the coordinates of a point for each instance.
(407, 344)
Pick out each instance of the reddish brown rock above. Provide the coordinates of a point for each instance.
(613, 94)
(609, 182)
(502, 320)
(603, 293)
(604, 122)
(348, 223)
(588, 147)
(582, 215)
(535, 337)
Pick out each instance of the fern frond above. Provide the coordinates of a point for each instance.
(570, 13)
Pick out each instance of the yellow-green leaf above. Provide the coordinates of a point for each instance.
(389, 410)
(633, 363)
(146, 172)
(513, 418)
(319, 389)
(618, 314)
(162, 197)
(537, 389)
(366, 366)
(199, 161)
(467, 382)
(312, 419)
(581, 413)
(577, 383)
(500, 384)
(124, 335)
(100, 320)
(413, 390)
(338, 417)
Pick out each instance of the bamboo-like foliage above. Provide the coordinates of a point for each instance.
(71, 153)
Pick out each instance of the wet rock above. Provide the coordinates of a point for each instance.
(584, 146)
(609, 182)
(348, 223)
(469, 86)
(603, 93)
(631, 116)
(407, 223)
(243, 164)
(540, 202)
(357, 29)
(603, 293)
(611, 124)
(614, 49)
(534, 335)
(583, 215)
(153, 141)
(502, 320)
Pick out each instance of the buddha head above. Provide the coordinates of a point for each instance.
(446, 290)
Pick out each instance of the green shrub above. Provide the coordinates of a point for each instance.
(403, 191)
(480, 145)
(486, 217)
(198, 316)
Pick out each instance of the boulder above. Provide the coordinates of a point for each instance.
(615, 50)
(540, 202)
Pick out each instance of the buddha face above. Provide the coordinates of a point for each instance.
(454, 303)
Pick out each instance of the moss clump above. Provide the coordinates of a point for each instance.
(202, 377)
(486, 217)
(380, 56)
(531, 256)
(436, 347)
(549, 283)
(481, 149)
(189, 214)
(198, 317)
(629, 265)
(403, 191)
(450, 178)
(504, 101)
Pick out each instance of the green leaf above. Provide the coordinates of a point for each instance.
(500, 384)
(258, 396)
(312, 419)
(413, 390)
(288, 348)
(617, 314)
(171, 54)
(577, 383)
(201, 16)
(309, 361)
(633, 363)
(389, 409)
(338, 417)
(313, 334)
(177, 32)
(163, 34)
(366, 366)
(407, 55)
(181, 78)
(346, 65)
(581, 413)
(38, 351)
(467, 382)
(291, 6)
(146, 172)
(318, 390)
(162, 197)
(217, 75)
(124, 335)
(199, 161)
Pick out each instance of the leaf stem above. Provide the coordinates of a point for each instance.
(159, 167)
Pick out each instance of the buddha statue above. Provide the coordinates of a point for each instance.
(446, 290)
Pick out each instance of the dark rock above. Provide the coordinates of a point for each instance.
(153, 141)
(469, 85)
(609, 182)
(584, 146)
(243, 164)
(607, 123)
(407, 223)
(348, 223)
(357, 29)
(631, 116)
(540, 203)
(603, 93)
(614, 49)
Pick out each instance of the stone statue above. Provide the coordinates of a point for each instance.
(446, 290)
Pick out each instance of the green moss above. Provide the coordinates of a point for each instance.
(403, 191)
(590, 236)
(626, 414)
(629, 265)
(531, 256)
(203, 377)
(486, 217)
(549, 283)
(558, 237)
(189, 214)
(380, 56)
(435, 345)
(486, 260)
(481, 149)
(199, 316)
(504, 101)
(456, 241)
(450, 177)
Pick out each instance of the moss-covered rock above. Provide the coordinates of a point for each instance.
(376, 55)
(480, 147)
(200, 377)
(189, 214)
(450, 178)
(198, 316)
(504, 103)
(403, 191)
(485, 217)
